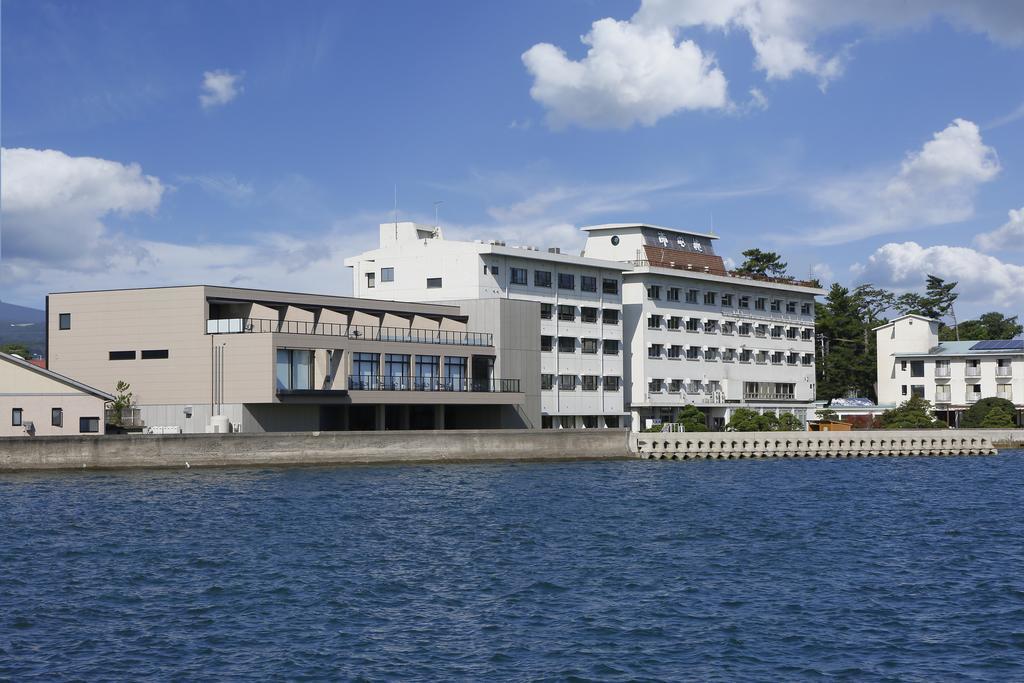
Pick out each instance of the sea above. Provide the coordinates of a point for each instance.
(874, 569)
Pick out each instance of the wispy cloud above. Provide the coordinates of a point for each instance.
(224, 185)
(219, 88)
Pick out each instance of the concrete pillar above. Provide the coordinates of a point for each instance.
(378, 417)
(439, 416)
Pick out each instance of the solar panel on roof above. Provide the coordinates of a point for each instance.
(999, 345)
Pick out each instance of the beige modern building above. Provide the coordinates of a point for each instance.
(281, 361)
(35, 401)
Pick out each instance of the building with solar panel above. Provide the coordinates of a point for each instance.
(953, 376)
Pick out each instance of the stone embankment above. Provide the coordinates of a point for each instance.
(734, 445)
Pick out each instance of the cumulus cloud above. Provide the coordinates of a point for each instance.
(1007, 237)
(218, 88)
(823, 272)
(641, 69)
(54, 206)
(630, 74)
(983, 280)
(935, 185)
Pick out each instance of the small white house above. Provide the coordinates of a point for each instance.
(38, 402)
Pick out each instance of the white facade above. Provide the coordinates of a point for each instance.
(580, 306)
(951, 375)
(700, 335)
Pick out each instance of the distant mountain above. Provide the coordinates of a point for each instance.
(22, 325)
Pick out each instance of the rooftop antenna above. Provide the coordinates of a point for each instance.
(436, 223)
(712, 222)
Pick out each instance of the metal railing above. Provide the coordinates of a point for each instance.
(972, 397)
(367, 332)
(972, 372)
(1004, 371)
(943, 398)
(767, 396)
(942, 371)
(492, 385)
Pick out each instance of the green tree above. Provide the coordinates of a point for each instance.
(998, 418)
(763, 263)
(846, 362)
(936, 302)
(788, 422)
(122, 401)
(692, 419)
(744, 420)
(975, 415)
(992, 325)
(827, 415)
(16, 349)
(915, 413)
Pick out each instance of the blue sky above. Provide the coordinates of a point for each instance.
(259, 143)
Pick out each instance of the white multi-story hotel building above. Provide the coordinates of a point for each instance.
(579, 304)
(699, 334)
(951, 375)
(645, 321)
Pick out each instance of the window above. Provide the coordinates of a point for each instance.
(588, 283)
(759, 303)
(546, 311)
(655, 386)
(693, 353)
(518, 276)
(396, 371)
(455, 373)
(745, 356)
(588, 315)
(792, 358)
(728, 327)
(711, 354)
(589, 382)
(709, 327)
(726, 300)
(566, 313)
(567, 344)
(744, 329)
(388, 274)
(611, 347)
(709, 298)
(691, 296)
(654, 322)
(89, 425)
(673, 322)
(610, 316)
(545, 342)
(609, 286)
(653, 292)
(16, 417)
(675, 386)
(654, 351)
(588, 345)
(428, 373)
(567, 382)
(791, 333)
(542, 278)
(371, 280)
(294, 368)
(805, 309)
(675, 351)
(433, 283)
(807, 334)
(744, 302)
(903, 366)
(155, 354)
(495, 271)
(917, 390)
(903, 389)
(807, 359)
(64, 321)
(547, 381)
(612, 382)
(777, 357)
(728, 355)
(776, 331)
(917, 368)
(122, 355)
(776, 305)
(692, 324)
(672, 294)
(566, 281)
(761, 330)
(56, 417)
(790, 307)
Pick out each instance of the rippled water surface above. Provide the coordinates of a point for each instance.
(878, 569)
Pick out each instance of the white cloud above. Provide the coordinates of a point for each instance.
(935, 185)
(983, 280)
(54, 205)
(630, 75)
(221, 184)
(219, 87)
(1007, 237)
(640, 70)
(823, 272)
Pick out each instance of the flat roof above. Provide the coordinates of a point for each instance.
(559, 257)
(732, 279)
(85, 388)
(620, 226)
(960, 348)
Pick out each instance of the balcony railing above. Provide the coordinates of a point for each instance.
(972, 397)
(767, 396)
(1004, 371)
(942, 371)
(367, 332)
(407, 383)
(972, 372)
(943, 398)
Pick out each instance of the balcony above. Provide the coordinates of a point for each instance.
(942, 372)
(358, 332)
(767, 396)
(942, 398)
(491, 385)
(972, 372)
(972, 397)
(1004, 371)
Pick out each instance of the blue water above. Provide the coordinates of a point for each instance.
(870, 569)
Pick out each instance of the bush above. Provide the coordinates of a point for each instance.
(747, 420)
(915, 413)
(788, 422)
(998, 418)
(975, 415)
(692, 419)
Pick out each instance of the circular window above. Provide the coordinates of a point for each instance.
(615, 240)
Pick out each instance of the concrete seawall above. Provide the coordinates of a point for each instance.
(310, 448)
(731, 445)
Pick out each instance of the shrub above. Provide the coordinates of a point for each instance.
(915, 413)
(692, 419)
(998, 418)
(788, 422)
(975, 415)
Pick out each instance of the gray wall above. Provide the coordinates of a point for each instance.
(516, 328)
(174, 415)
(316, 448)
